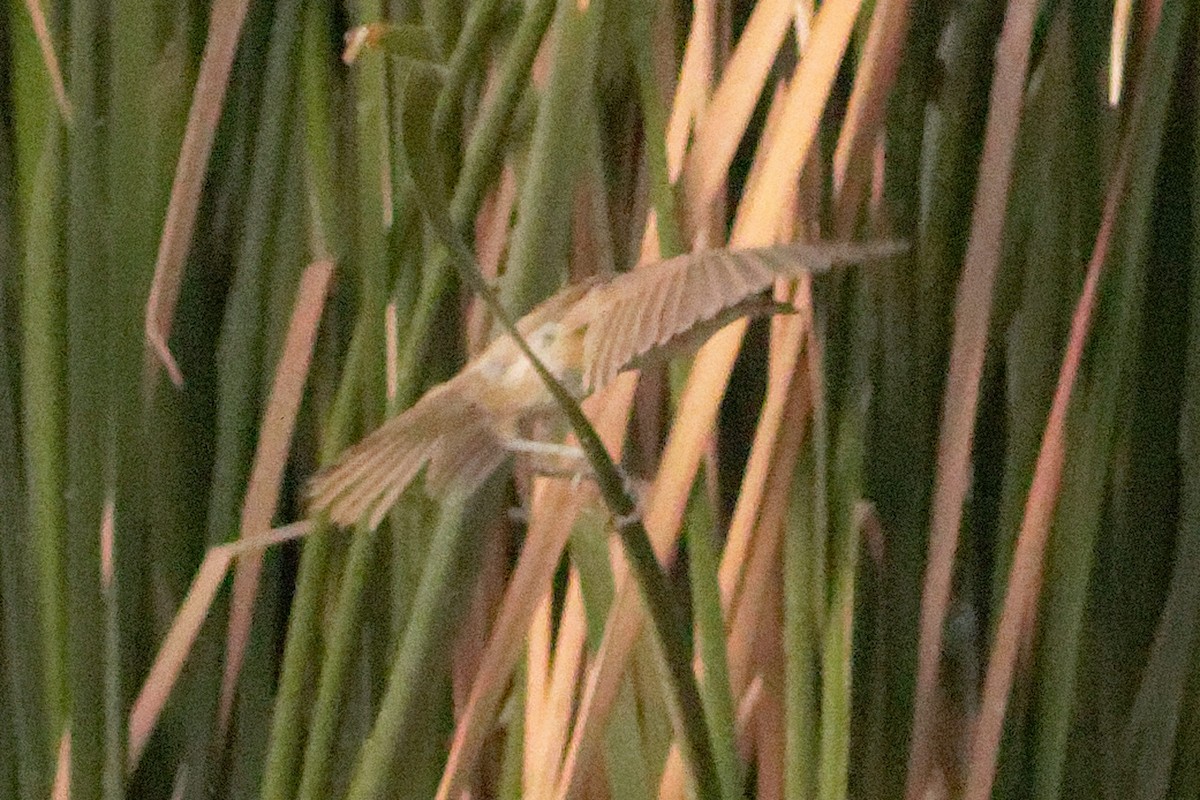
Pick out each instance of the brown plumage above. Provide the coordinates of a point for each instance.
(585, 334)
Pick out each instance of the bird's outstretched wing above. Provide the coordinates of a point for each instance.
(647, 309)
(444, 429)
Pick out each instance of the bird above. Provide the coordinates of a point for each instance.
(463, 430)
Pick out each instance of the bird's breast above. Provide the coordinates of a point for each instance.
(511, 385)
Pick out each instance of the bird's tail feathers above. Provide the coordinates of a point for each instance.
(466, 457)
(442, 429)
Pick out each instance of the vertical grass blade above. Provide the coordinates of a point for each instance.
(938, 153)
(972, 313)
(1149, 742)
(625, 765)
(440, 596)
(43, 384)
(538, 249)
(1133, 199)
(800, 637)
(709, 632)
(225, 28)
(88, 463)
(1093, 437)
(25, 642)
(239, 362)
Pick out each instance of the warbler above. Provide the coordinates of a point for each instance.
(465, 428)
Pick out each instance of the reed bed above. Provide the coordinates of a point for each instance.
(935, 533)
